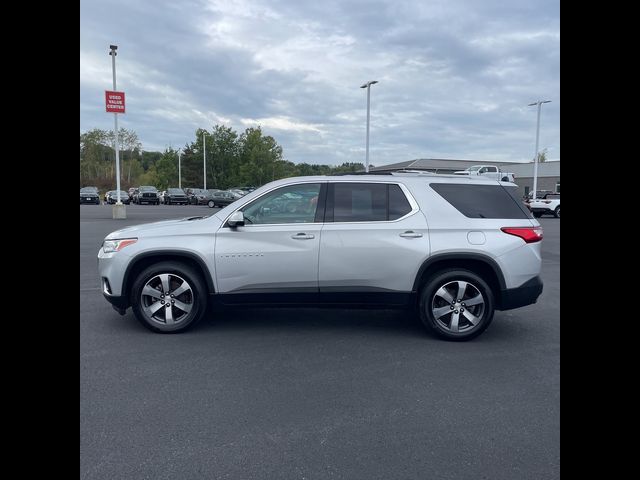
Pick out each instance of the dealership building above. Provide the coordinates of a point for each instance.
(548, 172)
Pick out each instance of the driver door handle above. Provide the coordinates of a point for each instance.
(410, 234)
(303, 236)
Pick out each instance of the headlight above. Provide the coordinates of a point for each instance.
(109, 246)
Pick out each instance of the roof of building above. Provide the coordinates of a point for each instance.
(519, 169)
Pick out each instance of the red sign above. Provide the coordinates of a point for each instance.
(115, 101)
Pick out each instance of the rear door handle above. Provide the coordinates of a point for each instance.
(410, 234)
(303, 236)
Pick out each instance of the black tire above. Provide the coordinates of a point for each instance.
(556, 212)
(197, 296)
(537, 214)
(475, 285)
(211, 204)
(168, 202)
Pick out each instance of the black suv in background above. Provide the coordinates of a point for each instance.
(146, 194)
(111, 197)
(175, 196)
(89, 195)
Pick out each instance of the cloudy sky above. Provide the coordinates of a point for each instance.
(455, 76)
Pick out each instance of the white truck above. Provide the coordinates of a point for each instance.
(490, 171)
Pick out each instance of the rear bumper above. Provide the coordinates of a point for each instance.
(525, 294)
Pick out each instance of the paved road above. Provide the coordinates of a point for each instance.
(315, 393)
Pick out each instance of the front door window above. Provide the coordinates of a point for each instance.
(290, 204)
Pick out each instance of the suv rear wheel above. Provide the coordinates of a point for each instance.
(456, 305)
(169, 297)
(556, 212)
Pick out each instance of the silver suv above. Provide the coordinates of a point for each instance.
(455, 248)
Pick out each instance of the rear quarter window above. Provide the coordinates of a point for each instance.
(483, 201)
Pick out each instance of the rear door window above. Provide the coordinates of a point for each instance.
(366, 202)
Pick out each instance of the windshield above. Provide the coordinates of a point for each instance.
(148, 189)
(475, 168)
(175, 191)
(89, 190)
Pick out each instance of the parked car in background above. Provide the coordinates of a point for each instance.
(111, 197)
(132, 192)
(237, 193)
(221, 198)
(548, 204)
(175, 196)
(146, 194)
(198, 196)
(539, 194)
(453, 249)
(89, 195)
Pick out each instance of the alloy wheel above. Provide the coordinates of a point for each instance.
(167, 299)
(458, 306)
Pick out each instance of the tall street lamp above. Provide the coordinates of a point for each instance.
(368, 87)
(204, 159)
(179, 170)
(535, 158)
(119, 210)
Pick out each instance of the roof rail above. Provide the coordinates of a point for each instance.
(412, 172)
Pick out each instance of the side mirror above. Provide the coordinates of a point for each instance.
(236, 219)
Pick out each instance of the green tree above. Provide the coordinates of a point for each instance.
(150, 177)
(542, 156)
(258, 153)
(167, 169)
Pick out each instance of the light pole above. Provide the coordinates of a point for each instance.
(535, 158)
(118, 208)
(204, 159)
(368, 87)
(179, 171)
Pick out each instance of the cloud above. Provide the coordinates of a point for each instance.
(455, 76)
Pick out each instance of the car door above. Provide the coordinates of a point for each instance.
(276, 251)
(374, 239)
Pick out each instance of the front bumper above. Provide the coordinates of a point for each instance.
(525, 294)
(91, 200)
(119, 303)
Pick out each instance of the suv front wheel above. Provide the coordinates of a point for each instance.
(456, 305)
(169, 297)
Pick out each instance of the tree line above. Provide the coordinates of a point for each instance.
(232, 159)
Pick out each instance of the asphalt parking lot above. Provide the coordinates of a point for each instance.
(315, 393)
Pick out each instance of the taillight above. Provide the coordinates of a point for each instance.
(528, 234)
